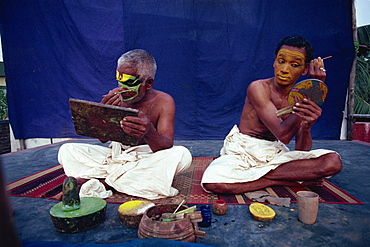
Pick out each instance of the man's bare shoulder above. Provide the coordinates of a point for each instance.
(259, 89)
(260, 84)
(162, 97)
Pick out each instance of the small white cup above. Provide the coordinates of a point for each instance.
(308, 206)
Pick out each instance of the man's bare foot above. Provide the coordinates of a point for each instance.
(315, 182)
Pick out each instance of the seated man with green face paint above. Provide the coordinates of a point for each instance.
(146, 170)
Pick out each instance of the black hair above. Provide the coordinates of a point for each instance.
(299, 42)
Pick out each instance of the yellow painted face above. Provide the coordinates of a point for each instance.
(289, 65)
(295, 55)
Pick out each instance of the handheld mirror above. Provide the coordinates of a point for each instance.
(314, 89)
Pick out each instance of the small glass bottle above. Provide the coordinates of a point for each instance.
(206, 215)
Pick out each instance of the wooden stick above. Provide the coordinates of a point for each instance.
(187, 210)
(322, 59)
(179, 206)
(327, 57)
(200, 234)
(284, 111)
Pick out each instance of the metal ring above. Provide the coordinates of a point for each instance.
(323, 69)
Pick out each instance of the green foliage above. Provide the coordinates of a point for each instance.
(3, 105)
(362, 86)
(361, 106)
(362, 80)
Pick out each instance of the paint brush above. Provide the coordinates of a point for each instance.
(322, 59)
(179, 206)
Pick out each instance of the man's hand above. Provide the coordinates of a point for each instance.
(112, 98)
(308, 111)
(317, 69)
(136, 126)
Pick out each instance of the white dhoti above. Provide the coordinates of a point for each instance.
(245, 158)
(136, 171)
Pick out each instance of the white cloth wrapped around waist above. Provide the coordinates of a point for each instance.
(245, 158)
(136, 171)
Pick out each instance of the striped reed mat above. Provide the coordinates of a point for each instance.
(48, 184)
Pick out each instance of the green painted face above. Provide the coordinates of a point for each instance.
(130, 83)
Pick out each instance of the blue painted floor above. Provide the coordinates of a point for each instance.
(337, 225)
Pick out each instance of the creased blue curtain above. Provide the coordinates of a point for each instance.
(207, 53)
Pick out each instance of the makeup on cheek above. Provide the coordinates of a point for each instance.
(130, 84)
(132, 91)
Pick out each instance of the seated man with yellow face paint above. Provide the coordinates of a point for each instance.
(146, 170)
(254, 155)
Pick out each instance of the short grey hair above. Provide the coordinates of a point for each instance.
(139, 60)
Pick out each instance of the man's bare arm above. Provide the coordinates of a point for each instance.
(303, 137)
(259, 96)
(158, 137)
(309, 112)
(111, 98)
(162, 137)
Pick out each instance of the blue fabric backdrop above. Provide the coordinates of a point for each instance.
(208, 51)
